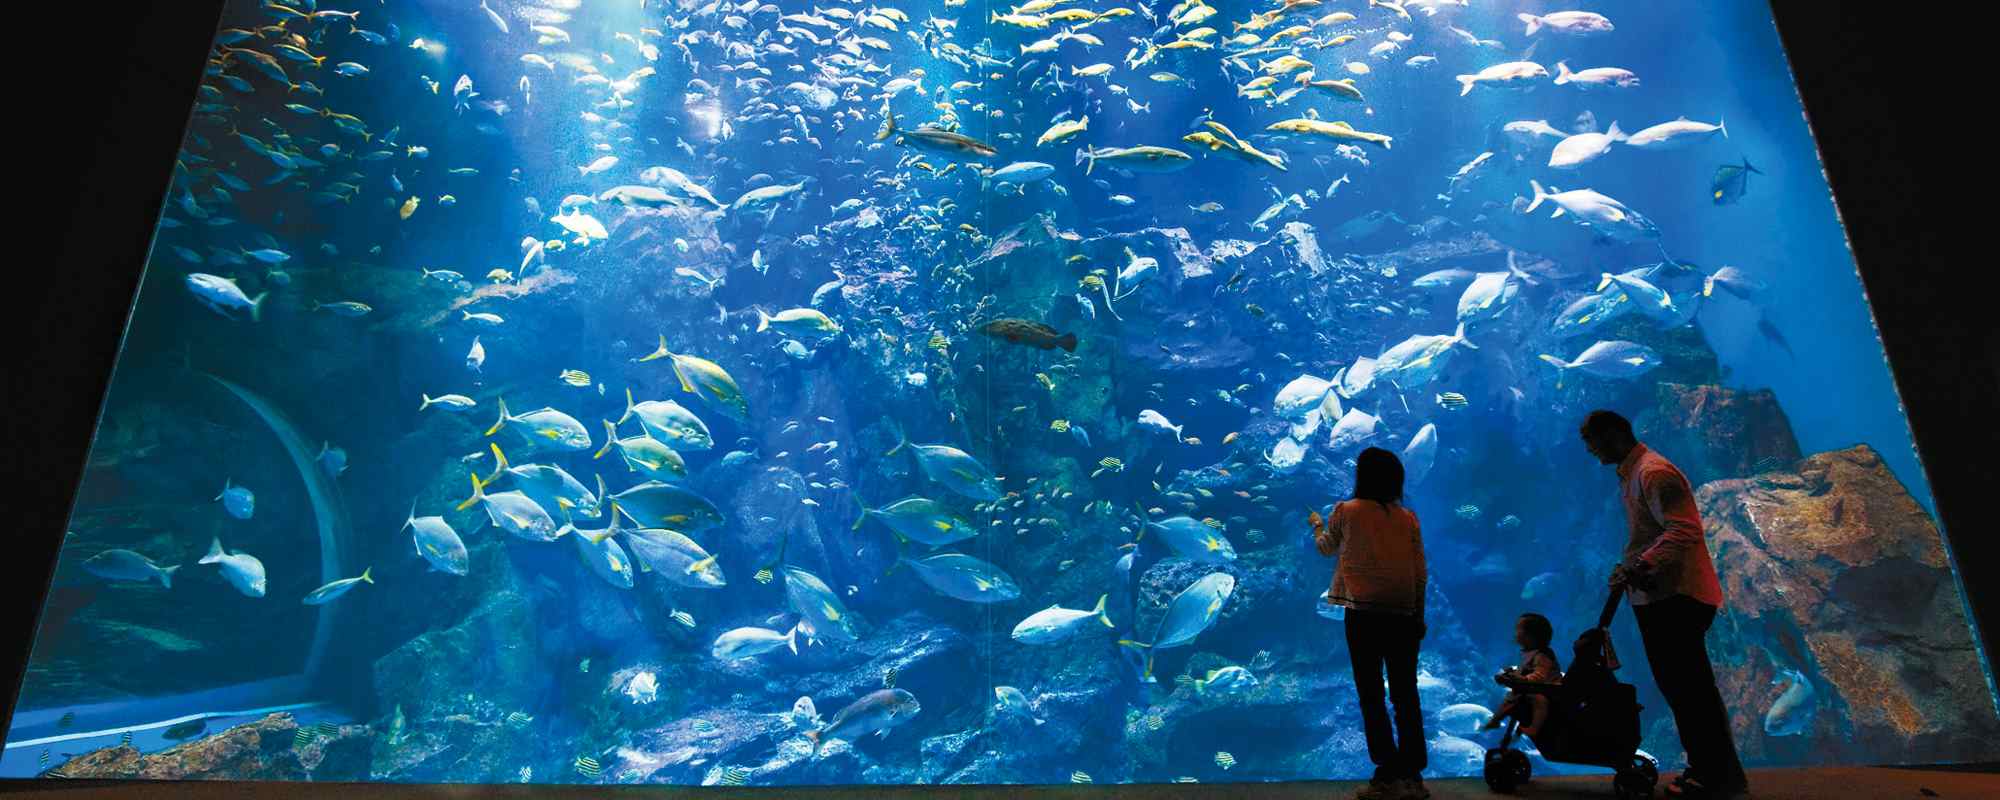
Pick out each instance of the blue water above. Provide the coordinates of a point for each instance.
(893, 259)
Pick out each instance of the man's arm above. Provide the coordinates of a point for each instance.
(1671, 504)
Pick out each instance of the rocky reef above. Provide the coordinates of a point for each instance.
(1833, 572)
(269, 749)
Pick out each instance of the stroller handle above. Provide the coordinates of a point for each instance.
(1611, 606)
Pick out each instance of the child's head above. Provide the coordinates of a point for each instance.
(1533, 631)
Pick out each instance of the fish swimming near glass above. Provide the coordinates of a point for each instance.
(1030, 333)
(1730, 182)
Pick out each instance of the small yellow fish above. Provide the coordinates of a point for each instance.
(499, 275)
(409, 207)
(575, 377)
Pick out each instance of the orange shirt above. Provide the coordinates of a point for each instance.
(1666, 530)
(1381, 551)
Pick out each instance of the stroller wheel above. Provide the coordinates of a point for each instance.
(1638, 779)
(1506, 769)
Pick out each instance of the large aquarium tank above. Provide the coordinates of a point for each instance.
(891, 392)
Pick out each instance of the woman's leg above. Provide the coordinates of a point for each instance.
(1401, 659)
(1365, 650)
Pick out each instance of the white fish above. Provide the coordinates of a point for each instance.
(602, 164)
(1573, 23)
(1583, 148)
(1511, 75)
(1055, 623)
(475, 357)
(1157, 421)
(644, 688)
(1675, 134)
(1136, 270)
(241, 570)
(493, 16)
(1420, 454)
(751, 641)
(1596, 77)
(1595, 210)
(1528, 133)
(1355, 428)
(1608, 359)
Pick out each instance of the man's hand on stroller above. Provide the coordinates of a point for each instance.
(1637, 574)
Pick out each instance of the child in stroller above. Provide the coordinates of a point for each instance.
(1591, 718)
(1538, 666)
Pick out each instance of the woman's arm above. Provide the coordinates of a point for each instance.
(1326, 532)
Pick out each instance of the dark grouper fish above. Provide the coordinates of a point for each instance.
(1029, 332)
(937, 140)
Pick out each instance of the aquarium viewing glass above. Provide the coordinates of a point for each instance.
(680, 392)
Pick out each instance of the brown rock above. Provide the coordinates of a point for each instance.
(1832, 569)
(254, 751)
(1712, 432)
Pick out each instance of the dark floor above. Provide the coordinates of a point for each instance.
(1845, 783)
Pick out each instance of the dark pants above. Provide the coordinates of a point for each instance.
(1376, 640)
(1674, 630)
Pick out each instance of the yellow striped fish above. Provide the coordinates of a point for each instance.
(764, 575)
(588, 767)
(1079, 776)
(734, 776)
(1224, 760)
(575, 377)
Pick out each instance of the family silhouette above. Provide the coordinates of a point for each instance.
(1381, 578)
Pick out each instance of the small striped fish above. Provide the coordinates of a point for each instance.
(1212, 522)
(1109, 462)
(125, 739)
(1766, 464)
(303, 737)
(1255, 536)
(1509, 522)
(764, 575)
(575, 377)
(588, 767)
(68, 719)
(1155, 722)
(1467, 512)
(1224, 760)
(1059, 425)
(1079, 776)
(734, 776)
(1452, 401)
(1186, 779)
(1092, 282)
(889, 678)
(683, 618)
(703, 726)
(43, 759)
(939, 343)
(518, 719)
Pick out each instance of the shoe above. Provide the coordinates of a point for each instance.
(1694, 788)
(1413, 789)
(1380, 789)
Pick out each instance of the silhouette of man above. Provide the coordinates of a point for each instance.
(1670, 581)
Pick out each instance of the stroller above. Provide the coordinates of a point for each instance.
(1593, 719)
